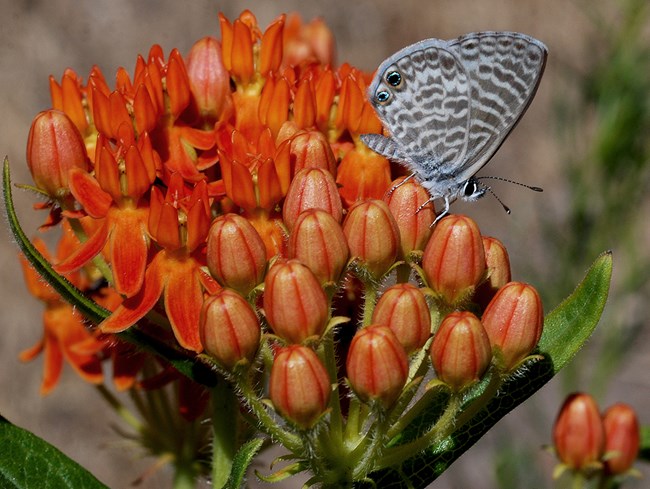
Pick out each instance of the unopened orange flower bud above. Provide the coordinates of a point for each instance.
(514, 319)
(311, 188)
(294, 302)
(299, 385)
(373, 236)
(310, 149)
(461, 350)
(454, 259)
(209, 78)
(622, 438)
(403, 309)
(317, 240)
(229, 329)
(377, 365)
(498, 270)
(54, 146)
(404, 199)
(578, 434)
(236, 254)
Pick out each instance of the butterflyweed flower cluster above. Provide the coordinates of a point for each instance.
(594, 446)
(222, 204)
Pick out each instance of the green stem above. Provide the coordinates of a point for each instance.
(369, 300)
(119, 408)
(224, 429)
(336, 418)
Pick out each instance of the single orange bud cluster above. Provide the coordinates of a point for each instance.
(373, 236)
(461, 351)
(230, 331)
(236, 254)
(585, 441)
(377, 365)
(403, 309)
(311, 188)
(295, 304)
(299, 385)
(514, 319)
(54, 147)
(454, 259)
(498, 270)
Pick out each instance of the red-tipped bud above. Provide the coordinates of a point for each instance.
(514, 319)
(54, 146)
(317, 240)
(403, 309)
(311, 188)
(622, 438)
(498, 270)
(578, 434)
(235, 253)
(229, 329)
(209, 78)
(294, 302)
(373, 236)
(404, 200)
(377, 365)
(461, 350)
(454, 259)
(299, 387)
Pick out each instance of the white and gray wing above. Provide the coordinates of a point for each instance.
(504, 70)
(422, 96)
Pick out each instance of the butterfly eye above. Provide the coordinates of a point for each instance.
(394, 78)
(382, 96)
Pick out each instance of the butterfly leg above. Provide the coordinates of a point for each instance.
(395, 187)
(444, 212)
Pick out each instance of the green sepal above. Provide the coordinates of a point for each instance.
(240, 463)
(28, 461)
(566, 329)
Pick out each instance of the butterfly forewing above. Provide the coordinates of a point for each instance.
(504, 71)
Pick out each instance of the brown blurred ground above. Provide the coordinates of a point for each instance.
(39, 38)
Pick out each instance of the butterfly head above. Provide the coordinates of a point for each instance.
(472, 190)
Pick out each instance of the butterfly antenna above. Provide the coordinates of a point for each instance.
(530, 187)
(505, 207)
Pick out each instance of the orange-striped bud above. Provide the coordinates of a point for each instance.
(299, 386)
(498, 270)
(622, 438)
(294, 302)
(54, 146)
(404, 310)
(311, 188)
(454, 259)
(317, 240)
(461, 350)
(229, 329)
(373, 236)
(578, 434)
(377, 365)
(235, 253)
(514, 319)
(404, 199)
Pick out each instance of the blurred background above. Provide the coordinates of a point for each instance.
(585, 140)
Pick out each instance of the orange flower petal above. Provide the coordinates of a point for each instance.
(183, 300)
(128, 248)
(272, 47)
(86, 252)
(88, 193)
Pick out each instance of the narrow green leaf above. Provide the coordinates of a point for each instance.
(27, 461)
(569, 326)
(242, 460)
(644, 451)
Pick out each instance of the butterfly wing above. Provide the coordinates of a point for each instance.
(426, 107)
(504, 71)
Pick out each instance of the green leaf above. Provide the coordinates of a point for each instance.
(565, 331)
(95, 313)
(242, 460)
(644, 451)
(27, 461)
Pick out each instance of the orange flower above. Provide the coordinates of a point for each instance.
(178, 222)
(63, 327)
